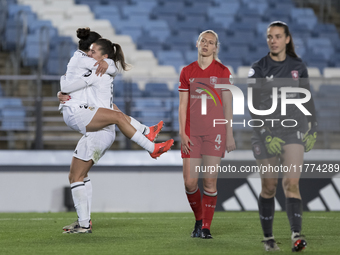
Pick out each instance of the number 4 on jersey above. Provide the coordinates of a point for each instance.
(218, 139)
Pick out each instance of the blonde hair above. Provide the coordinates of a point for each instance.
(217, 44)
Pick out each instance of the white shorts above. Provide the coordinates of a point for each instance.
(78, 117)
(93, 145)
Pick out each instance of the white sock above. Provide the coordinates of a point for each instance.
(88, 187)
(80, 203)
(139, 126)
(142, 141)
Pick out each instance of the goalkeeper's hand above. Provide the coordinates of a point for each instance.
(310, 136)
(273, 144)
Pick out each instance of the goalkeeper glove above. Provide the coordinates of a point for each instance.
(272, 143)
(310, 136)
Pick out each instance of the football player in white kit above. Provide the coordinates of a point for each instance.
(92, 145)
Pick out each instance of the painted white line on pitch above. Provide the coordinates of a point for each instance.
(151, 218)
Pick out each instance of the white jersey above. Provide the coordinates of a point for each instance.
(78, 66)
(99, 90)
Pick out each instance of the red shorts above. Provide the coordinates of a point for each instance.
(210, 145)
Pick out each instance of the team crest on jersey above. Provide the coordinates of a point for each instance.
(257, 149)
(213, 80)
(295, 75)
(191, 79)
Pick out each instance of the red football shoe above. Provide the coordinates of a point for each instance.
(161, 148)
(154, 131)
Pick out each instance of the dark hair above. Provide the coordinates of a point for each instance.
(290, 49)
(113, 50)
(87, 37)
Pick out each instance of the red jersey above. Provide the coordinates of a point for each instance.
(200, 82)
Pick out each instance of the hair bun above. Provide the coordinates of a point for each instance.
(83, 33)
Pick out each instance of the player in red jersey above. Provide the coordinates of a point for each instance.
(201, 142)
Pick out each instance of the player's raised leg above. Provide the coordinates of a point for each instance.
(105, 117)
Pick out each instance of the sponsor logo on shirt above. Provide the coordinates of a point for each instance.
(270, 78)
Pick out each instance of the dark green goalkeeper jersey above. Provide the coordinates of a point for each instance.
(266, 74)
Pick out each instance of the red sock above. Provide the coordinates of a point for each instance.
(209, 204)
(195, 203)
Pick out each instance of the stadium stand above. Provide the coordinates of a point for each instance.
(158, 38)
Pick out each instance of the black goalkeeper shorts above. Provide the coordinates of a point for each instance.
(259, 148)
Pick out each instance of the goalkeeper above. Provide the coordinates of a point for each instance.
(284, 139)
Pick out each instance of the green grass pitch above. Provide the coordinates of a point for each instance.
(161, 233)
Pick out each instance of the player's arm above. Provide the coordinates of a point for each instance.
(310, 136)
(104, 66)
(182, 112)
(273, 144)
(68, 87)
(227, 99)
(254, 81)
(182, 117)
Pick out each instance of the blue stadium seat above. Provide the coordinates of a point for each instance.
(127, 89)
(157, 28)
(301, 12)
(190, 56)
(116, 21)
(134, 31)
(299, 45)
(239, 38)
(145, 3)
(259, 6)
(135, 10)
(119, 3)
(12, 114)
(61, 49)
(36, 47)
(147, 42)
(169, 54)
(226, 21)
(15, 9)
(171, 57)
(100, 10)
(215, 26)
(224, 9)
(14, 29)
(328, 91)
(300, 30)
(321, 46)
(159, 90)
(276, 14)
(309, 21)
(254, 56)
(90, 3)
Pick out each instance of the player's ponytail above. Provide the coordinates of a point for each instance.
(119, 56)
(114, 52)
(290, 49)
(217, 44)
(87, 37)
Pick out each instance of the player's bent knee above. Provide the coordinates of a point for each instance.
(190, 186)
(118, 117)
(269, 189)
(291, 187)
